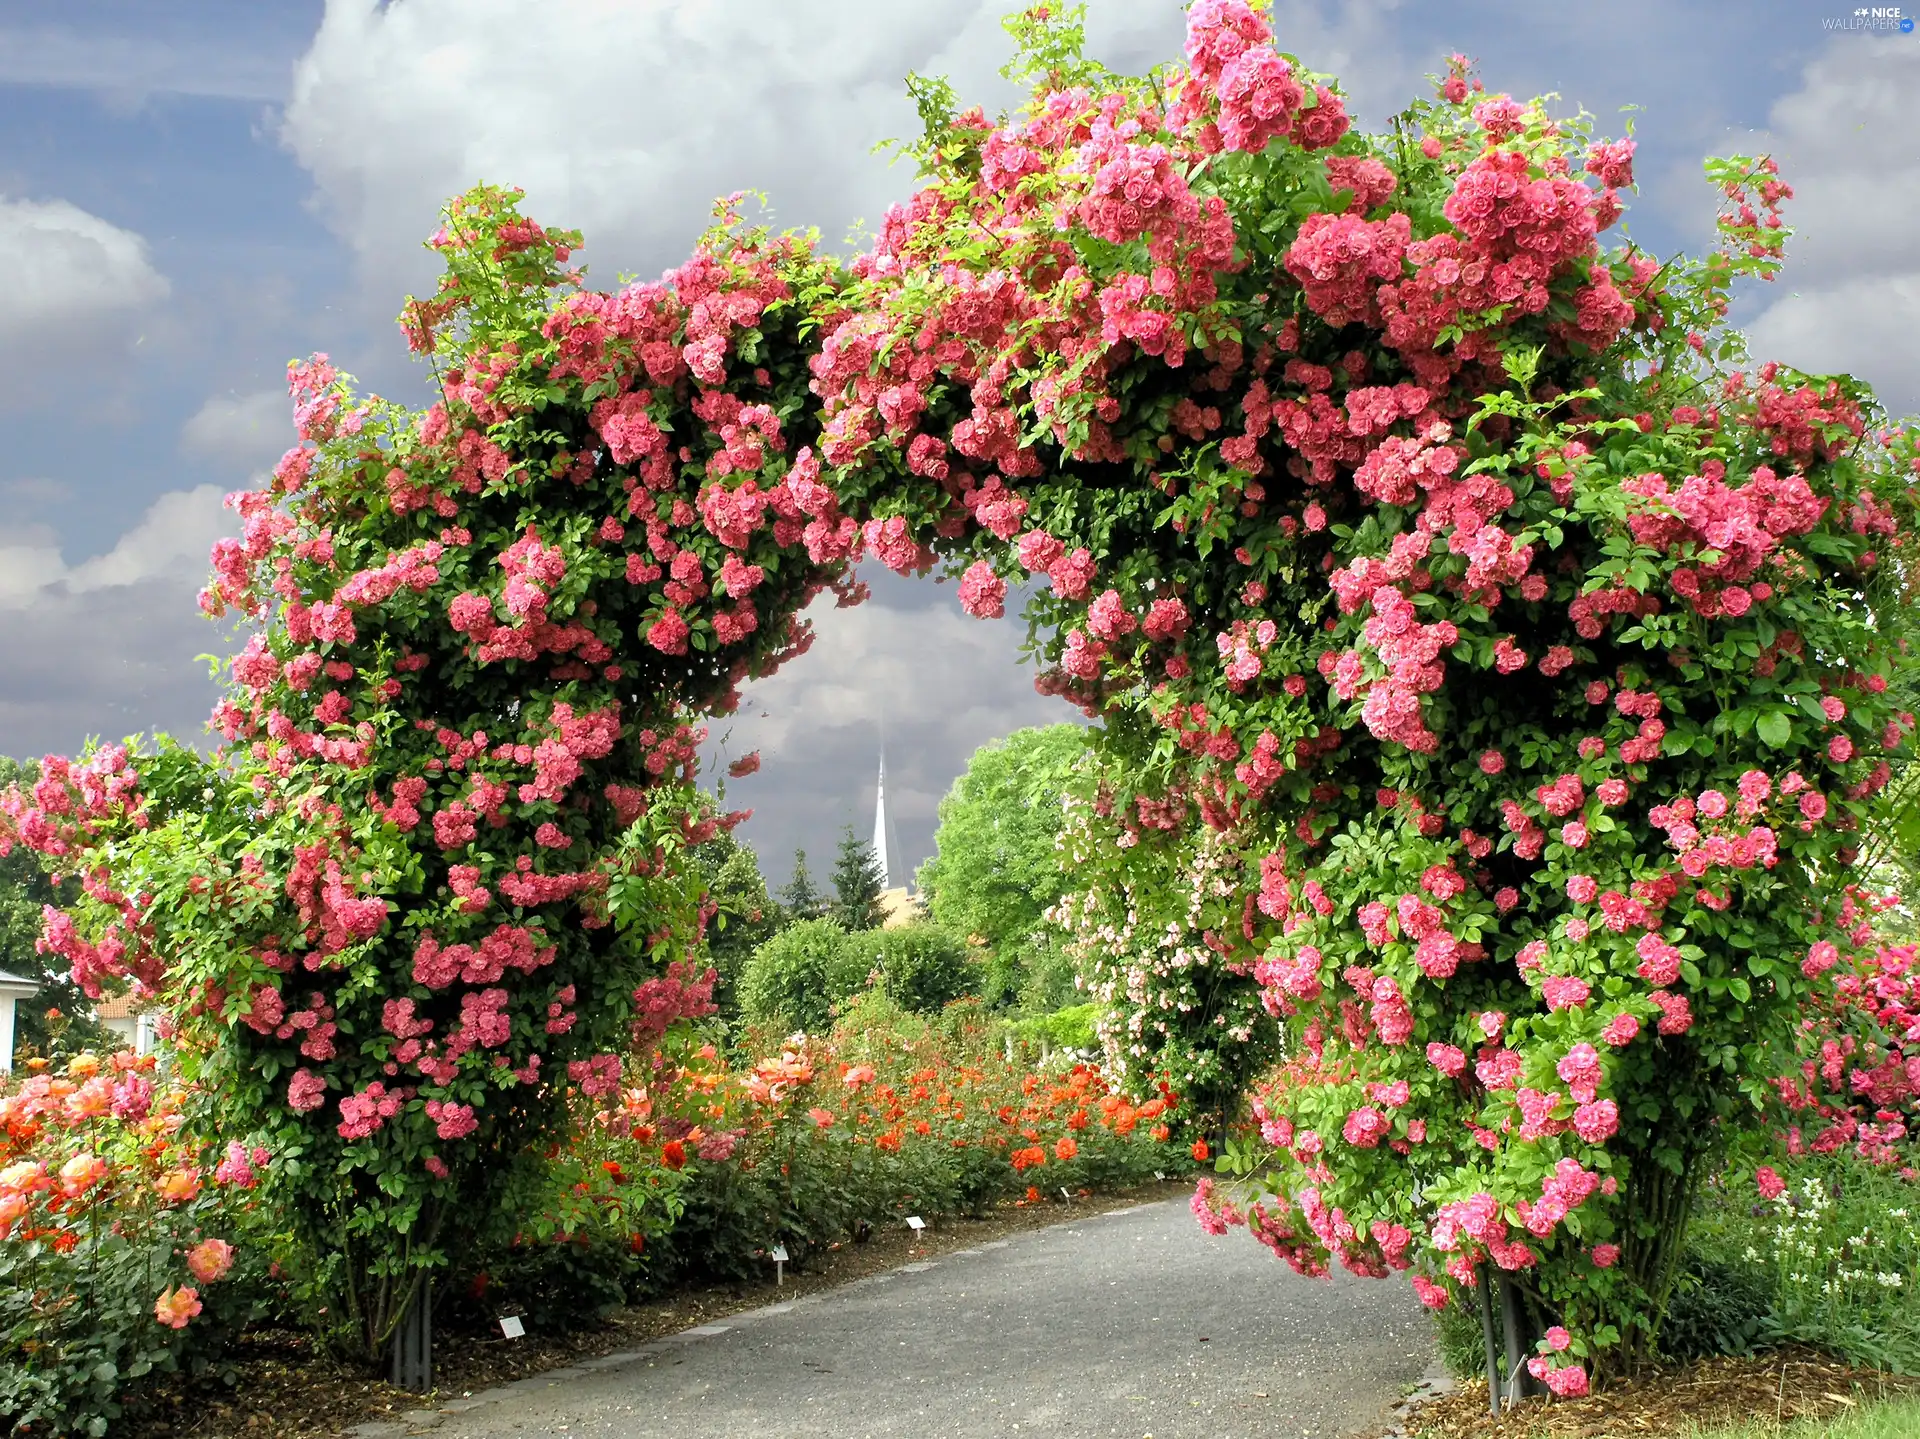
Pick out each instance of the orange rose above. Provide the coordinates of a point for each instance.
(178, 1186)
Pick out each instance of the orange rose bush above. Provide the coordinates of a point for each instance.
(889, 1115)
(119, 1240)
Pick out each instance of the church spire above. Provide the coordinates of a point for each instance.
(880, 826)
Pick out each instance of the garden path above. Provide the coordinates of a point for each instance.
(1133, 1323)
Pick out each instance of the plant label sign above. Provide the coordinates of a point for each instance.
(512, 1327)
(916, 1223)
(778, 1254)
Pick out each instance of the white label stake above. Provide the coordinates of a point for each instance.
(779, 1258)
(512, 1327)
(916, 1223)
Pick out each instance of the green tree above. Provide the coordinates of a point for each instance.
(995, 871)
(800, 899)
(58, 1018)
(747, 918)
(856, 884)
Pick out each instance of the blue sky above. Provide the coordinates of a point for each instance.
(193, 193)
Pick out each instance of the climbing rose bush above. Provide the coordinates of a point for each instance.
(1527, 709)
(1509, 651)
(436, 876)
(1857, 1075)
(1493, 661)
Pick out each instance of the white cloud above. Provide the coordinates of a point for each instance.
(170, 542)
(29, 562)
(625, 118)
(1844, 141)
(107, 646)
(622, 119)
(68, 271)
(245, 432)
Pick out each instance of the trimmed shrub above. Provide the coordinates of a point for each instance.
(794, 980)
(921, 967)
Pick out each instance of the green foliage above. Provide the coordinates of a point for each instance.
(1718, 1307)
(1838, 1252)
(794, 979)
(747, 916)
(1048, 977)
(573, 1239)
(996, 870)
(1074, 1027)
(922, 967)
(78, 1337)
(1456, 1329)
(856, 884)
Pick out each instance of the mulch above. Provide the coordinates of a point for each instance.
(1789, 1384)
(284, 1388)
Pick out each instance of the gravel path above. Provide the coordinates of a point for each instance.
(1130, 1324)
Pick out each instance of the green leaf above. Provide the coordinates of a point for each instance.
(1774, 728)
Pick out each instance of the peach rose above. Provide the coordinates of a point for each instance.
(176, 1306)
(210, 1260)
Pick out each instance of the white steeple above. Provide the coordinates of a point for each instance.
(880, 826)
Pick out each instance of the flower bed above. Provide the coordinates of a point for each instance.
(887, 1116)
(118, 1257)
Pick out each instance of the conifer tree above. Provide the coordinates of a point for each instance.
(856, 884)
(800, 899)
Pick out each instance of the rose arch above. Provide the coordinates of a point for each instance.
(1491, 666)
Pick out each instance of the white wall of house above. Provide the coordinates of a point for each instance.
(13, 989)
(138, 1032)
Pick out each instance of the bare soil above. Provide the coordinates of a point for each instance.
(1787, 1385)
